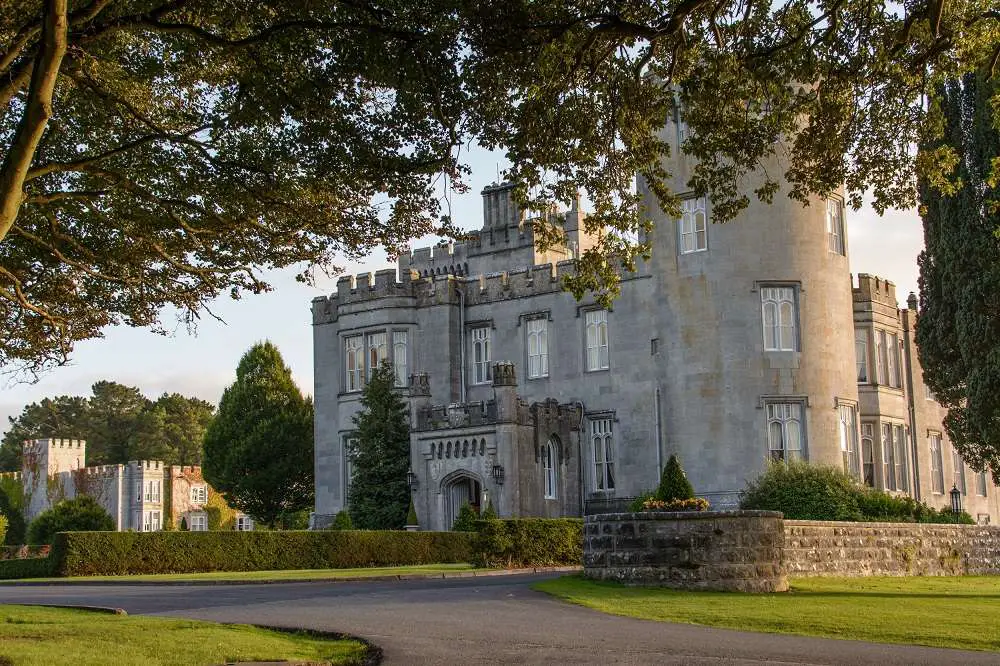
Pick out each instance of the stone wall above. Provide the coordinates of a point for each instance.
(814, 548)
(715, 550)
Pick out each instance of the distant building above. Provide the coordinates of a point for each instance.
(734, 344)
(141, 495)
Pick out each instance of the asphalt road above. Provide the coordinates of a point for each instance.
(496, 620)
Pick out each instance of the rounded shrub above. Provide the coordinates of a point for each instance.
(342, 521)
(81, 514)
(804, 492)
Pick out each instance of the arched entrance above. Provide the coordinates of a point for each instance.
(458, 490)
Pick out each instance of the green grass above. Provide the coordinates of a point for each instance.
(44, 636)
(953, 612)
(288, 575)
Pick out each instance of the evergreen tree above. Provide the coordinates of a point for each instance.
(958, 330)
(674, 483)
(81, 514)
(259, 448)
(381, 456)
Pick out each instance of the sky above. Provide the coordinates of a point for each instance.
(204, 363)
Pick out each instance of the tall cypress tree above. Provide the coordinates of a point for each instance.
(958, 331)
(379, 495)
(259, 448)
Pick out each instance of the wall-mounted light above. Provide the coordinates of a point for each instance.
(411, 480)
(956, 499)
(498, 474)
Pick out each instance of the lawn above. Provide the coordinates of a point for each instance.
(44, 636)
(953, 612)
(265, 576)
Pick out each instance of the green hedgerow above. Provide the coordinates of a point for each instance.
(804, 492)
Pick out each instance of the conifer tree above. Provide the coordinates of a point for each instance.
(259, 448)
(379, 494)
(958, 330)
(674, 483)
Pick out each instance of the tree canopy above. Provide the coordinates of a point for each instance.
(259, 448)
(161, 152)
(958, 330)
(80, 514)
(119, 424)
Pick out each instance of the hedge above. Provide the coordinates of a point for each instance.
(35, 567)
(120, 553)
(527, 542)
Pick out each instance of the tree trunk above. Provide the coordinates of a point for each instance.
(37, 112)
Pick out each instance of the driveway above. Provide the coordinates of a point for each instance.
(495, 620)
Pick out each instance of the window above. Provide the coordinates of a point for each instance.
(835, 225)
(354, 362)
(399, 340)
(902, 474)
(152, 491)
(138, 491)
(868, 454)
(861, 351)
(199, 494)
(981, 484)
(959, 466)
(482, 373)
(602, 439)
(887, 358)
(849, 440)
(937, 465)
(378, 352)
(549, 469)
(244, 523)
(888, 458)
(892, 342)
(198, 522)
(347, 456)
(597, 339)
(693, 226)
(538, 348)
(155, 515)
(151, 521)
(778, 311)
(784, 430)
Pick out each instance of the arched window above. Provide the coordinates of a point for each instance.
(549, 469)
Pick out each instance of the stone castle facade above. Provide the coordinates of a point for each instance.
(141, 495)
(733, 344)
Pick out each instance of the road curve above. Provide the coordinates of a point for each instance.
(495, 620)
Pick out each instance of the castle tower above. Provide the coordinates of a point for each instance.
(47, 466)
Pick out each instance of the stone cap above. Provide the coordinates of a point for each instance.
(681, 515)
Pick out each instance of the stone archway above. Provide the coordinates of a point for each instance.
(459, 488)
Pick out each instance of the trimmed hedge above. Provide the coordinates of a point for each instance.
(527, 542)
(35, 567)
(119, 553)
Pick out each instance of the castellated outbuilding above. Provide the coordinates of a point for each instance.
(734, 344)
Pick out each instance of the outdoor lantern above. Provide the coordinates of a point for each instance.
(411, 480)
(498, 474)
(956, 499)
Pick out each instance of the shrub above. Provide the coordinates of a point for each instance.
(117, 553)
(693, 504)
(411, 514)
(3, 527)
(674, 483)
(527, 542)
(466, 519)
(11, 507)
(79, 514)
(35, 567)
(342, 521)
(489, 513)
(803, 492)
(639, 503)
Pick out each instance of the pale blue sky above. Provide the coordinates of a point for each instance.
(203, 364)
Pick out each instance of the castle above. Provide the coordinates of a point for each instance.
(141, 495)
(733, 344)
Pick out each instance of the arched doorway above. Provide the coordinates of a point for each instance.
(459, 490)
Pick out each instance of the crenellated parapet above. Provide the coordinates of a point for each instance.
(101, 471)
(145, 465)
(871, 288)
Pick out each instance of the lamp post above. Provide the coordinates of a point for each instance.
(411, 480)
(956, 499)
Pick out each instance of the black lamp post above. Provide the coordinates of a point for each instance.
(498, 474)
(956, 499)
(411, 480)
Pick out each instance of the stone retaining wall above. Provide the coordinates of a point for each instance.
(815, 548)
(715, 550)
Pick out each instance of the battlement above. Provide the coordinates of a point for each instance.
(101, 470)
(874, 289)
(457, 415)
(57, 444)
(185, 470)
(146, 465)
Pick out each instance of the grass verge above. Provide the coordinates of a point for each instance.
(32, 636)
(266, 576)
(951, 612)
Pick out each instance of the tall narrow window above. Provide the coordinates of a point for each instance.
(981, 484)
(849, 440)
(779, 314)
(538, 348)
(378, 352)
(549, 469)
(138, 491)
(693, 226)
(597, 339)
(835, 225)
(868, 453)
(937, 465)
(861, 352)
(902, 472)
(892, 354)
(881, 360)
(353, 362)
(481, 371)
(347, 458)
(602, 439)
(959, 466)
(784, 430)
(888, 458)
(399, 367)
